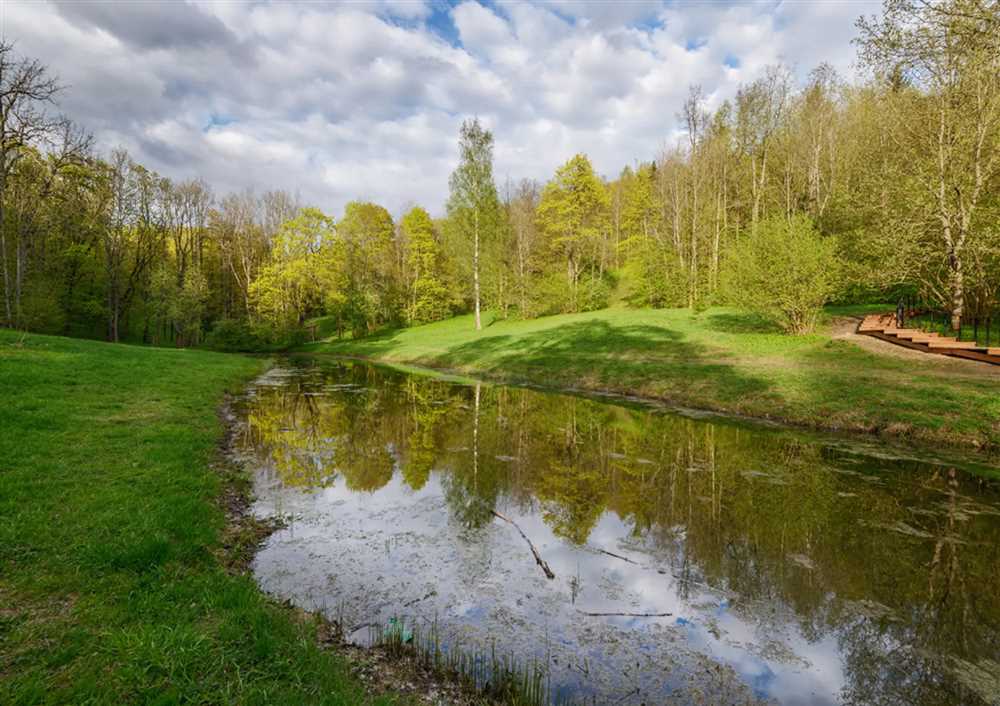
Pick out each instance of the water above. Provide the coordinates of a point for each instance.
(694, 561)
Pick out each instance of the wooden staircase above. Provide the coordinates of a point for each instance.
(884, 326)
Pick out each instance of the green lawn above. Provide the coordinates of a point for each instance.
(112, 586)
(718, 360)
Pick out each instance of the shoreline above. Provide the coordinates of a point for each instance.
(898, 440)
(382, 671)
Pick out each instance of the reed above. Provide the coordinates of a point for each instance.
(498, 675)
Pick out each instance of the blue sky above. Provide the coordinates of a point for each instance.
(363, 100)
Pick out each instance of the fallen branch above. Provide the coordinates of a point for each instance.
(617, 556)
(538, 557)
(625, 615)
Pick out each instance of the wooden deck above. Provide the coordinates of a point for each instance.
(884, 326)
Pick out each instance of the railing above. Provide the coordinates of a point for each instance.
(982, 328)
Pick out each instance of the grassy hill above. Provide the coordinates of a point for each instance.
(112, 584)
(718, 360)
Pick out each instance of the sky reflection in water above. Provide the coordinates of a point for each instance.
(792, 570)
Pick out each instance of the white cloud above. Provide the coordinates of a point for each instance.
(364, 99)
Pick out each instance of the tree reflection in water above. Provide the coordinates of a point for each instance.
(894, 560)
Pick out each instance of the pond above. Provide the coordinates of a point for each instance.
(639, 555)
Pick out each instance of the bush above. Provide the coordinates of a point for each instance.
(234, 336)
(40, 310)
(787, 271)
(654, 276)
(550, 294)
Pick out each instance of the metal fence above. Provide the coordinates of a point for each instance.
(981, 326)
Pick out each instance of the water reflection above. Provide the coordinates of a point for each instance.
(791, 570)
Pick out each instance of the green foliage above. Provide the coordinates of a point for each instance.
(189, 306)
(369, 275)
(473, 201)
(655, 275)
(292, 285)
(640, 218)
(243, 336)
(428, 296)
(786, 271)
(572, 214)
(473, 204)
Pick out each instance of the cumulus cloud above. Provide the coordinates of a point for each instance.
(364, 99)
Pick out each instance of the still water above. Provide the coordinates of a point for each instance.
(691, 561)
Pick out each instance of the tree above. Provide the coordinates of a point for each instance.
(696, 121)
(27, 128)
(785, 271)
(522, 208)
(760, 111)
(947, 121)
(653, 266)
(573, 215)
(428, 296)
(291, 285)
(473, 204)
(187, 211)
(372, 288)
(132, 234)
(189, 309)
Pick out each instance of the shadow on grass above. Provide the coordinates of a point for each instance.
(650, 359)
(741, 323)
(375, 344)
(912, 398)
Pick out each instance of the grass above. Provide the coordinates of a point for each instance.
(717, 360)
(113, 587)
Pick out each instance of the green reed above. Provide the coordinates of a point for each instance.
(502, 676)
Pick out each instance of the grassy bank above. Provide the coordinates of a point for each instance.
(719, 360)
(112, 585)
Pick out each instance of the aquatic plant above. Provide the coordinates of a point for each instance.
(501, 676)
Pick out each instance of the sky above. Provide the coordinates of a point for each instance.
(363, 100)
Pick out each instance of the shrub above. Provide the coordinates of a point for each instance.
(550, 294)
(655, 277)
(787, 271)
(233, 335)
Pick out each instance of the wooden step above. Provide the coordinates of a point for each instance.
(951, 343)
(884, 327)
(916, 336)
(945, 339)
(875, 323)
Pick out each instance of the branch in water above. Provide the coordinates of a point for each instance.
(617, 556)
(538, 557)
(625, 615)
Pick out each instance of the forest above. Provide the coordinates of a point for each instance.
(792, 194)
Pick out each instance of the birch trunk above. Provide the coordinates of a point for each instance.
(475, 270)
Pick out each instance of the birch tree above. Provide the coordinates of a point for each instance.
(947, 123)
(474, 205)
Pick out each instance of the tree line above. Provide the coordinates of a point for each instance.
(779, 200)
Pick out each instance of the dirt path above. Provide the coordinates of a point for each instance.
(846, 329)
